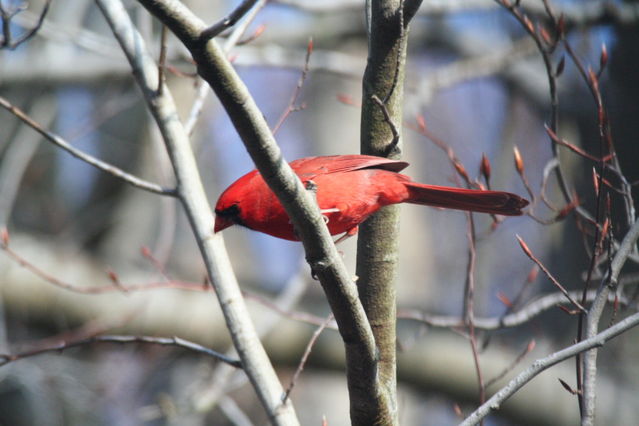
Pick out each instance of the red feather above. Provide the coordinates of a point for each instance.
(349, 189)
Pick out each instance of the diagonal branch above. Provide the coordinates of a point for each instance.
(108, 338)
(228, 21)
(89, 159)
(544, 363)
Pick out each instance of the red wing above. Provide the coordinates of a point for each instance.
(308, 168)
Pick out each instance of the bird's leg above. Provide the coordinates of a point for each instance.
(325, 211)
(350, 233)
(333, 210)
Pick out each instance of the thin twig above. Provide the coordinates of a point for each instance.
(469, 304)
(514, 319)
(389, 121)
(5, 17)
(202, 89)
(545, 270)
(307, 352)
(89, 159)
(228, 21)
(291, 107)
(529, 347)
(542, 364)
(164, 341)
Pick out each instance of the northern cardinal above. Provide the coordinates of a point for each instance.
(350, 188)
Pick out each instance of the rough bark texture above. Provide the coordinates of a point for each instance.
(378, 238)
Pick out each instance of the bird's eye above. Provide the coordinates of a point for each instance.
(232, 211)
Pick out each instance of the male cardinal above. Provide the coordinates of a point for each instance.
(350, 188)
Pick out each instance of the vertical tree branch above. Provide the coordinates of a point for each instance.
(628, 245)
(377, 242)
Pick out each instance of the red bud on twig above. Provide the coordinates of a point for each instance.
(146, 252)
(567, 208)
(347, 99)
(532, 275)
(504, 299)
(4, 237)
(544, 34)
(485, 167)
(556, 283)
(421, 122)
(524, 247)
(461, 170)
(519, 162)
(458, 411)
(309, 47)
(561, 26)
(529, 25)
(113, 276)
(258, 32)
(567, 387)
(603, 59)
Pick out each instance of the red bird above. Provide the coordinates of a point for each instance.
(350, 188)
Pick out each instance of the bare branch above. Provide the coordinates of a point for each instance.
(292, 103)
(163, 341)
(227, 22)
(545, 270)
(89, 159)
(6, 17)
(514, 319)
(542, 364)
(307, 352)
(628, 245)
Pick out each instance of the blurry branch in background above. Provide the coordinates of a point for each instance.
(292, 103)
(549, 34)
(515, 318)
(307, 352)
(576, 14)
(106, 338)
(282, 308)
(8, 40)
(542, 364)
(87, 158)
(608, 284)
(552, 279)
(18, 155)
(519, 317)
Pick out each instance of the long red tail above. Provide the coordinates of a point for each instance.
(493, 202)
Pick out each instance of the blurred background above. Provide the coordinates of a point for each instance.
(473, 76)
